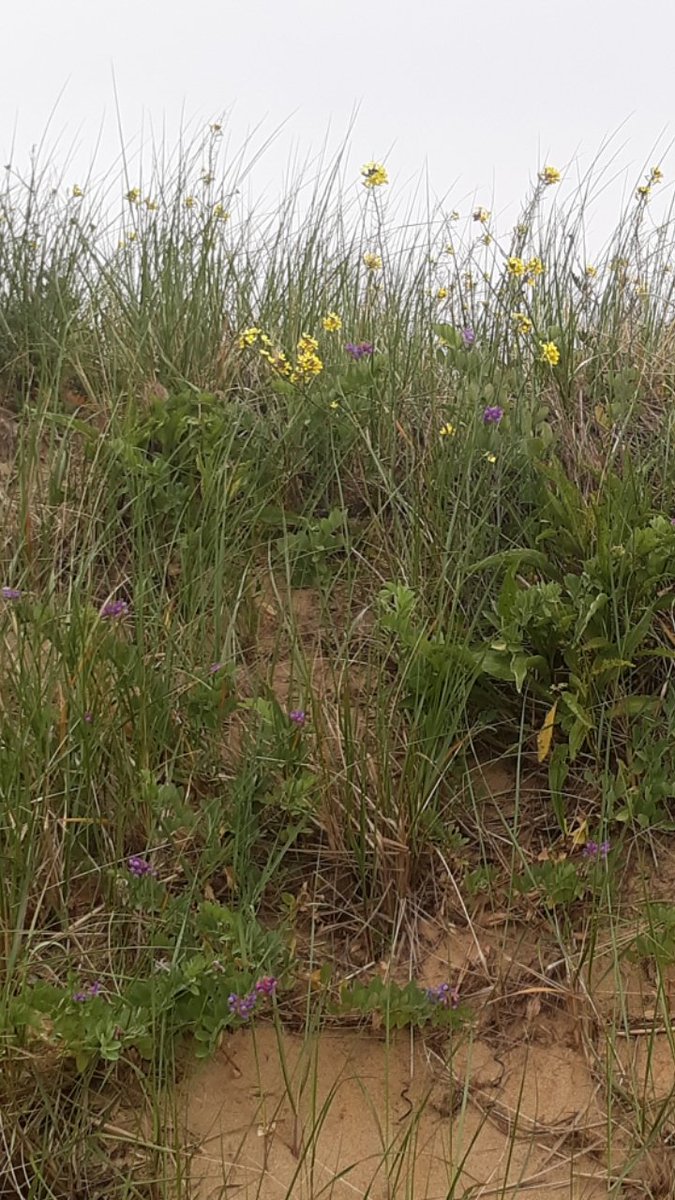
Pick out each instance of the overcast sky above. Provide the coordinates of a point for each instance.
(478, 93)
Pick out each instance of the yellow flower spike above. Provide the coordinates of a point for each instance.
(332, 322)
(550, 353)
(549, 175)
(447, 431)
(372, 261)
(515, 266)
(249, 337)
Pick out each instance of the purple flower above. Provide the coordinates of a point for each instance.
(444, 995)
(114, 609)
(468, 335)
(140, 867)
(593, 850)
(359, 350)
(242, 1006)
(87, 717)
(493, 414)
(215, 668)
(93, 990)
(10, 593)
(267, 986)
(297, 716)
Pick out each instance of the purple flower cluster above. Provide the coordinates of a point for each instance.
(10, 593)
(244, 1006)
(88, 994)
(444, 995)
(140, 867)
(493, 414)
(215, 668)
(359, 350)
(114, 609)
(298, 716)
(595, 850)
(468, 335)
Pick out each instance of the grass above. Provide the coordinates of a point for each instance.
(311, 655)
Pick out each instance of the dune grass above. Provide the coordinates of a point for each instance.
(311, 520)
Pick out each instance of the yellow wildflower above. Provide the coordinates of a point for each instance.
(150, 204)
(249, 337)
(550, 353)
(277, 360)
(441, 293)
(643, 191)
(374, 175)
(482, 215)
(535, 267)
(76, 191)
(134, 195)
(491, 458)
(656, 175)
(486, 239)
(334, 404)
(515, 266)
(220, 213)
(549, 175)
(308, 362)
(190, 201)
(523, 323)
(332, 323)
(447, 430)
(454, 215)
(373, 261)
(591, 271)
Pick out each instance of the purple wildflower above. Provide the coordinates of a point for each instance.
(215, 668)
(87, 717)
(140, 866)
(359, 350)
(242, 1006)
(114, 609)
(468, 335)
(493, 414)
(10, 593)
(297, 716)
(267, 986)
(444, 995)
(94, 989)
(593, 850)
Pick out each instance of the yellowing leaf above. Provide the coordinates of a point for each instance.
(545, 734)
(579, 836)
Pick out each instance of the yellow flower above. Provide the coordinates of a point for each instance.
(332, 322)
(76, 191)
(190, 202)
(373, 261)
(249, 337)
(491, 458)
(277, 360)
(591, 271)
(523, 323)
(656, 175)
(482, 215)
(486, 239)
(220, 213)
(447, 430)
(454, 215)
(549, 175)
(333, 404)
(515, 266)
(450, 249)
(441, 293)
(374, 175)
(535, 267)
(150, 204)
(308, 362)
(643, 191)
(134, 195)
(550, 353)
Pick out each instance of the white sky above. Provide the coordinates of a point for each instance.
(480, 94)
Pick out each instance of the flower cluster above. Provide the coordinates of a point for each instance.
(481, 215)
(10, 593)
(140, 867)
(372, 261)
(114, 609)
(550, 353)
(308, 362)
(244, 1006)
(374, 175)
(468, 336)
(332, 322)
(522, 323)
(89, 993)
(298, 716)
(515, 266)
(492, 414)
(443, 994)
(448, 430)
(549, 175)
(359, 350)
(595, 850)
